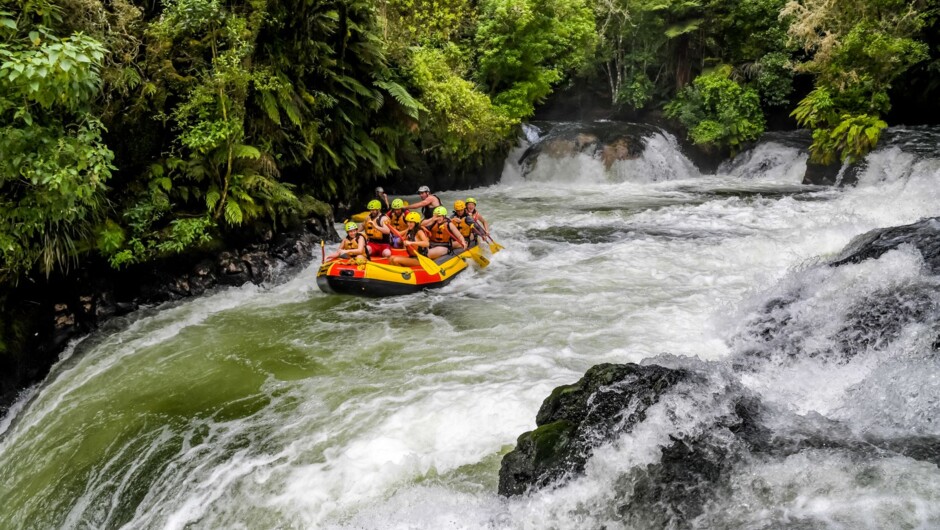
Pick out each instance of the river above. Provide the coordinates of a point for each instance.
(282, 407)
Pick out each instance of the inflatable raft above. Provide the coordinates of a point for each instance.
(378, 277)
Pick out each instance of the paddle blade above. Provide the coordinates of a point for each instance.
(495, 247)
(427, 264)
(476, 257)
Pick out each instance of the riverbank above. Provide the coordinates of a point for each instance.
(42, 317)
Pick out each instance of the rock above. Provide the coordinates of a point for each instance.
(834, 174)
(575, 418)
(620, 149)
(924, 235)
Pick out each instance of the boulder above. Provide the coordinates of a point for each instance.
(924, 235)
(575, 418)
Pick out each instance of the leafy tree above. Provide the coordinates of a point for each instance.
(856, 48)
(426, 23)
(527, 46)
(460, 122)
(631, 40)
(718, 111)
(54, 164)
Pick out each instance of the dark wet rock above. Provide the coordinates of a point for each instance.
(611, 400)
(835, 174)
(575, 418)
(923, 235)
(606, 141)
(876, 321)
(697, 466)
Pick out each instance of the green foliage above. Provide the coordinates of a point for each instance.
(461, 122)
(856, 48)
(211, 118)
(835, 133)
(637, 92)
(718, 111)
(631, 41)
(527, 46)
(434, 23)
(774, 78)
(54, 163)
(352, 113)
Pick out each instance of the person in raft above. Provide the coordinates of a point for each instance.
(354, 244)
(427, 203)
(464, 222)
(380, 193)
(475, 215)
(415, 239)
(376, 230)
(396, 220)
(442, 233)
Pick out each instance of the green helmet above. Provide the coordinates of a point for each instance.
(350, 226)
(440, 210)
(471, 199)
(374, 205)
(397, 204)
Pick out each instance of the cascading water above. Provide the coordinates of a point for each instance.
(283, 407)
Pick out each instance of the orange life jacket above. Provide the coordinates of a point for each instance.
(398, 222)
(464, 223)
(439, 233)
(350, 244)
(373, 232)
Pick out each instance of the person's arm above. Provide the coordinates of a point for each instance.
(361, 248)
(456, 233)
(429, 221)
(420, 240)
(424, 202)
(479, 219)
(384, 197)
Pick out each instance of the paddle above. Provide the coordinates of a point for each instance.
(425, 262)
(480, 260)
(494, 246)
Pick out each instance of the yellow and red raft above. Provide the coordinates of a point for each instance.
(377, 277)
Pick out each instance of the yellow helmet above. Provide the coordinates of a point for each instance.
(459, 205)
(350, 226)
(440, 210)
(374, 205)
(471, 199)
(413, 217)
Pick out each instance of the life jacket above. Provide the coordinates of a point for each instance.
(411, 236)
(439, 234)
(428, 211)
(464, 223)
(351, 244)
(373, 233)
(398, 223)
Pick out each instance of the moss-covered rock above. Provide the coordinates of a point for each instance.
(609, 399)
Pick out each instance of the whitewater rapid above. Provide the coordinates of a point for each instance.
(282, 407)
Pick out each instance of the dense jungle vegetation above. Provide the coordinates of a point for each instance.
(138, 129)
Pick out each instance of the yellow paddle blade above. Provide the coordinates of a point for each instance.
(495, 247)
(427, 264)
(476, 257)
